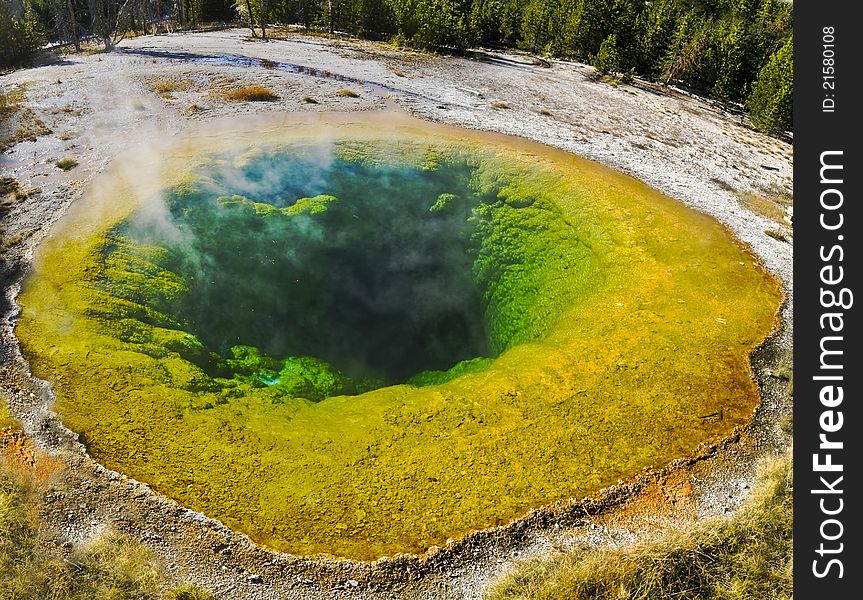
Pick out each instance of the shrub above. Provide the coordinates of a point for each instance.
(66, 164)
(253, 93)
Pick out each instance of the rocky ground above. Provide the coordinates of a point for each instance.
(90, 108)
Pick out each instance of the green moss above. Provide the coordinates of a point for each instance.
(249, 360)
(311, 378)
(310, 206)
(608, 319)
(444, 203)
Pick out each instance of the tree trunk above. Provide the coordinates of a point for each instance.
(73, 24)
(181, 9)
(332, 28)
(264, 20)
(251, 19)
(158, 22)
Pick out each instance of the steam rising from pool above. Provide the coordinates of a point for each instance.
(297, 252)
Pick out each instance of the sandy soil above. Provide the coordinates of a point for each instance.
(100, 105)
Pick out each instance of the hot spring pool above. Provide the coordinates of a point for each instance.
(359, 335)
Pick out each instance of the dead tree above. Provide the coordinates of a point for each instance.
(106, 17)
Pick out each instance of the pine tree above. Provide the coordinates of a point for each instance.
(770, 103)
(535, 24)
(595, 23)
(656, 25)
(20, 32)
(607, 59)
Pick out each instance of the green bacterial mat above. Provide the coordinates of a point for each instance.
(352, 343)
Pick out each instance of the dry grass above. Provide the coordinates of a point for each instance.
(745, 557)
(777, 234)
(772, 204)
(11, 189)
(18, 122)
(347, 94)
(309, 100)
(31, 566)
(166, 86)
(11, 101)
(287, 33)
(500, 105)
(91, 48)
(252, 93)
(9, 185)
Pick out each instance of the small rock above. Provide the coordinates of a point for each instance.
(254, 579)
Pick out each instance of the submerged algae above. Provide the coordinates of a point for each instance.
(618, 319)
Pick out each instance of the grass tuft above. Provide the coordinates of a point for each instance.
(253, 93)
(347, 94)
(166, 86)
(309, 100)
(772, 205)
(777, 234)
(187, 591)
(9, 185)
(66, 164)
(747, 556)
(500, 105)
